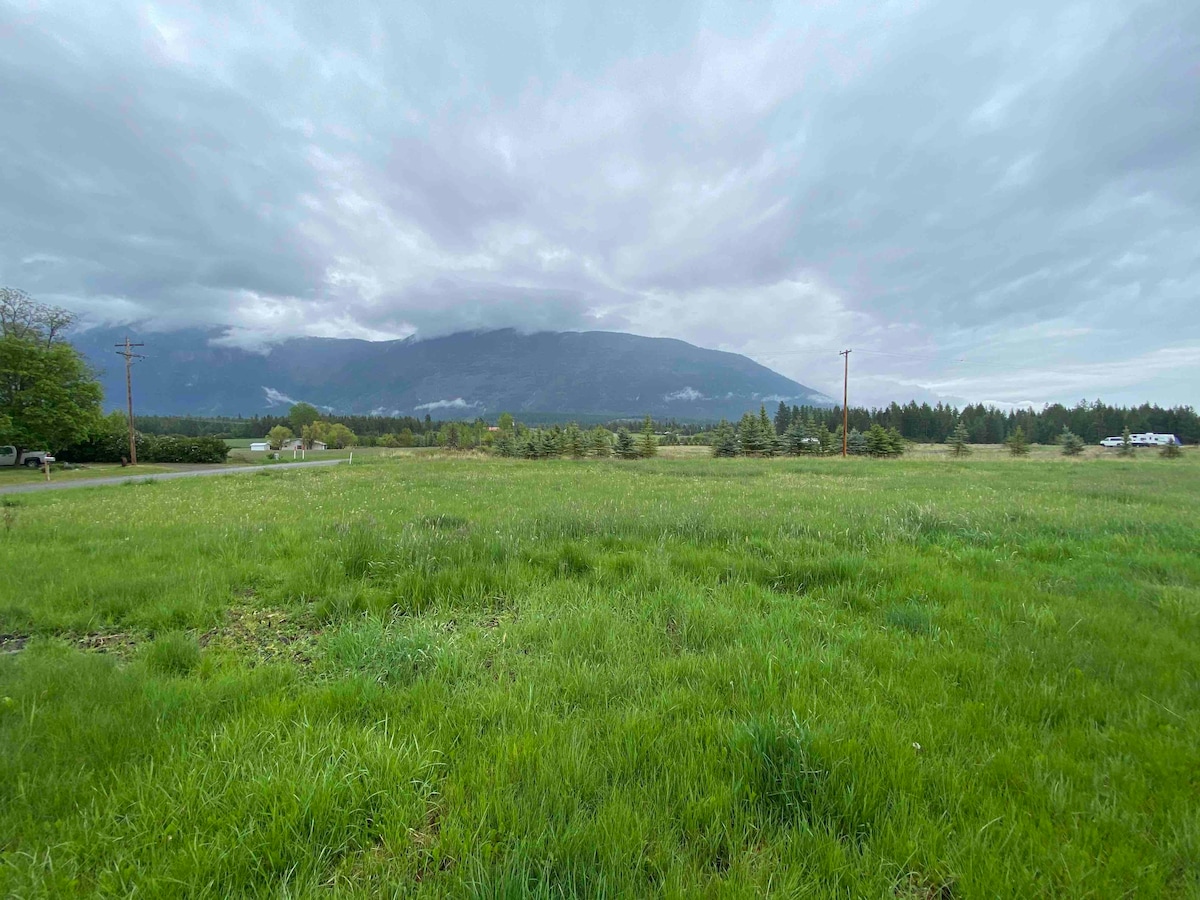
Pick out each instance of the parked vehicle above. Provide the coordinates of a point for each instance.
(32, 458)
(1144, 439)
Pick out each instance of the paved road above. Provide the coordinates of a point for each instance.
(29, 487)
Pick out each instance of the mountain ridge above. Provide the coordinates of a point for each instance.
(452, 376)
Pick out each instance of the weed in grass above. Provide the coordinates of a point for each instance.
(173, 653)
(910, 617)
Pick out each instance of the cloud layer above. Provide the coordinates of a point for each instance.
(987, 201)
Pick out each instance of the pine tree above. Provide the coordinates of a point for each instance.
(750, 437)
(1170, 451)
(648, 445)
(601, 442)
(795, 440)
(505, 445)
(725, 442)
(856, 443)
(767, 429)
(573, 442)
(1016, 442)
(879, 442)
(825, 439)
(783, 419)
(958, 440)
(1072, 444)
(1126, 443)
(626, 449)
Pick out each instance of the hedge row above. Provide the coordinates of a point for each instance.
(155, 448)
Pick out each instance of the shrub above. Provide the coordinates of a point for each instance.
(1170, 451)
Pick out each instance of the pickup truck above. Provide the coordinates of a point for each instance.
(32, 458)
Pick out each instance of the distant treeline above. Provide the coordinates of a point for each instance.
(988, 425)
(1092, 421)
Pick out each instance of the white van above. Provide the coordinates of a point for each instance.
(1144, 439)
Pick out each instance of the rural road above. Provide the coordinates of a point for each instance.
(163, 476)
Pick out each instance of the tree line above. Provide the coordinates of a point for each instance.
(1092, 421)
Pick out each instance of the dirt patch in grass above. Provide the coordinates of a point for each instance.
(265, 635)
(13, 643)
(119, 643)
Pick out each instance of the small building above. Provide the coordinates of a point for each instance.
(260, 445)
(297, 444)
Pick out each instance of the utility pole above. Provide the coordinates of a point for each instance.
(845, 399)
(126, 350)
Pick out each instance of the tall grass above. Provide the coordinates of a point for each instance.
(439, 677)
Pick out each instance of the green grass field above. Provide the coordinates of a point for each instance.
(424, 676)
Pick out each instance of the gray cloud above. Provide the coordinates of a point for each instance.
(995, 202)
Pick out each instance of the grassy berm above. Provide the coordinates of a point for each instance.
(716, 678)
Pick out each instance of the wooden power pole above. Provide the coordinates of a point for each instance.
(126, 350)
(845, 399)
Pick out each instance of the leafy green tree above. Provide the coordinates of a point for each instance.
(1017, 443)
(278, 435)
(1126, 448)
(625, 448)
(302, 414)
(725, 442)
(648, 444)
(505, 422)
(49, 396)
(959, 439)
(1071, 443)
(332, 434)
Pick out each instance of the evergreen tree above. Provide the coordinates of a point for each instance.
(767, 429)
(504, 444)
(1016, 442)
(958, 439)
(725, 442)
(825, 439)
(574, 443)
(626, 449)
(648, 445)
(783, 419)
(1170, 451)
(795, 440)
(750, 436)
(1126, 443)
(1072, 444)
(601, 442)
(856, 443)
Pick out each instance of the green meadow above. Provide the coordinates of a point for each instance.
(684, 677)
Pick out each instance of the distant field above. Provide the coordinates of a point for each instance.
(430, 676)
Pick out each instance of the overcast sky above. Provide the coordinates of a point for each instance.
(988, 201)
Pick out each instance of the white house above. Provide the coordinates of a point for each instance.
(260, 445)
